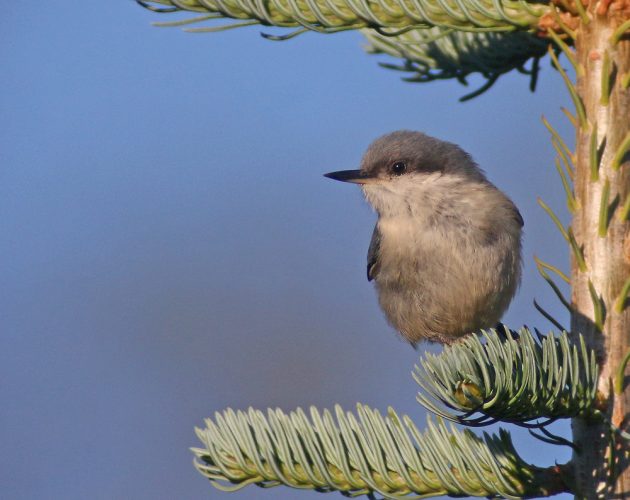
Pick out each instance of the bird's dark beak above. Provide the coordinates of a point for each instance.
(354, 176)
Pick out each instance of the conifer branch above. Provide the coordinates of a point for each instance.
(439, 53)
(336, 15)
(512, 380)
(435, 39)
(365, 454)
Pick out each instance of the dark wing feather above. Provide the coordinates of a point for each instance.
(373, 254)
(519, 217)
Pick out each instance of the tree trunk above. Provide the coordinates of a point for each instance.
(602, 234)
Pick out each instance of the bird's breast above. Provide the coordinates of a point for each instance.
(414, 249)
(407, 236)
(406, 246)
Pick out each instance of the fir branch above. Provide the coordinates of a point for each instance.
(435, 39)
(336, 15)
(365, 454)
(518, 381)
(443, 53)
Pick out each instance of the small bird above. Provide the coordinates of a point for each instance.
(445, 254)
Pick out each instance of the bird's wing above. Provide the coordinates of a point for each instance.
(518, 216)
(373, 254)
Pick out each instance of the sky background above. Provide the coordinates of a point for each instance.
(170, 248)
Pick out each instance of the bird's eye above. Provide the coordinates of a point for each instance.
(399, 168)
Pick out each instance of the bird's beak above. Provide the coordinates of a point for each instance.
(354, 176)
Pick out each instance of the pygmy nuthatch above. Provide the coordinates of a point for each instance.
(445, 253)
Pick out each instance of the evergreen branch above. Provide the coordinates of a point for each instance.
(444, 53)
(435, 38)
(336, 15)
(516, 381)
(364, 454)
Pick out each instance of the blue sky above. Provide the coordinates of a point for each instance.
(170, 247)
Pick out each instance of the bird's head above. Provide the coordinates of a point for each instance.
(401, 167)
